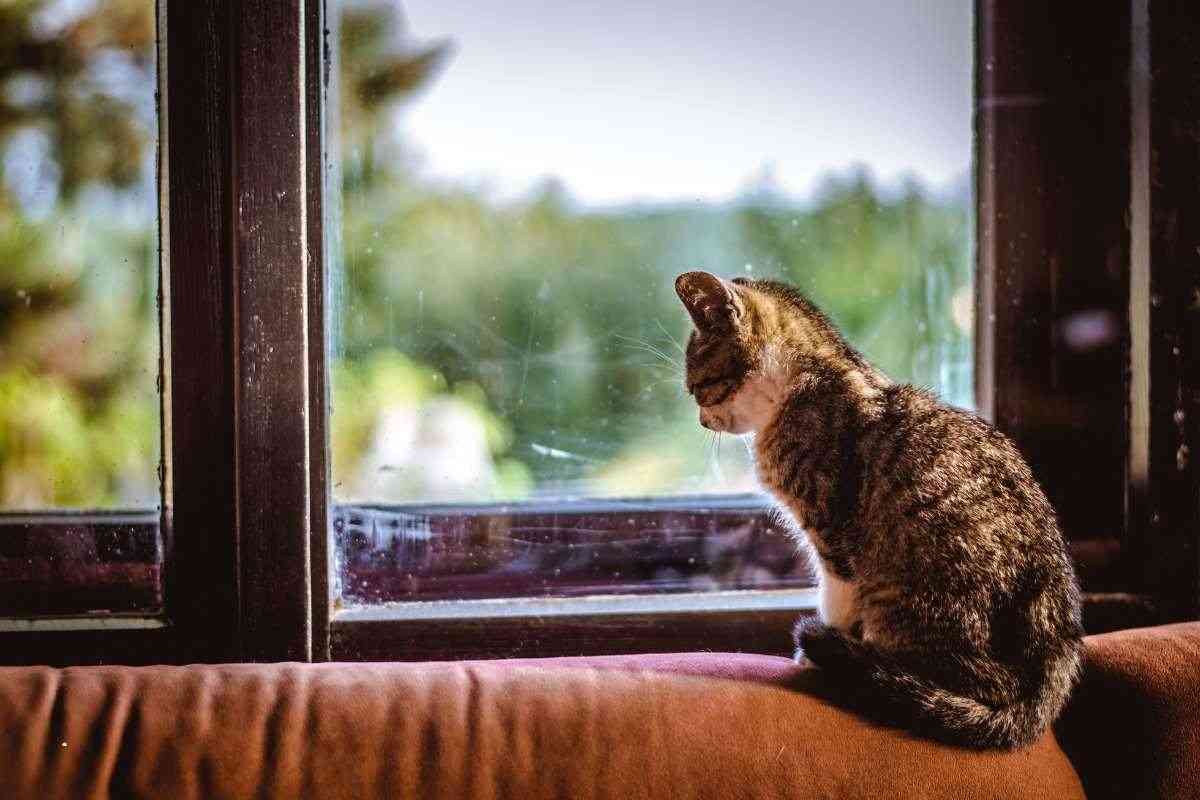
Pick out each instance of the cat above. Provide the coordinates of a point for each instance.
(948, 604)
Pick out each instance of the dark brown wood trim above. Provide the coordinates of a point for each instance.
(984, 240)
(317, 52)
(270, 281)
(238, 573)
(1168, 509)
(200, 512)
(1052, 128)
(1138, 469)
(90, 647)
(756, 631)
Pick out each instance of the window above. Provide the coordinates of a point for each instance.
(345, 207)
(519, 187)
(79, 342)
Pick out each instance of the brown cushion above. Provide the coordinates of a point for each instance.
(1133, 726)
(687, 726)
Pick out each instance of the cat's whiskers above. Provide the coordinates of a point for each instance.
(712, 455)
(671, 338)
(746, 437)
(647, 347)
(675, 380)
(709, 439)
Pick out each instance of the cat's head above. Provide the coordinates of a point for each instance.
(752, 341)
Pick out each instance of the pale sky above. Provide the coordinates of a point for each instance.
(679, 100)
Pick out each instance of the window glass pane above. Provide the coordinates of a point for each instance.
(79, 346)
(79, 410)
(520, 183)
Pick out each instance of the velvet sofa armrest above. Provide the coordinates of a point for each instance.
(1132, 728)
(674, 726)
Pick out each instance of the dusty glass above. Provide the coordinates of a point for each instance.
(520, 182)
(79, 337)
(79, 347)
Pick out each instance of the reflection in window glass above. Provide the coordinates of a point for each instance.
(79, 409)
(521, 184)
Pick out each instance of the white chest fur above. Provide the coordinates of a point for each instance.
(837, 600)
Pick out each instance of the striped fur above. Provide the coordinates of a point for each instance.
(949, 603)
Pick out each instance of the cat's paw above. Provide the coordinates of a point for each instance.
(821, 644)
(807, 629)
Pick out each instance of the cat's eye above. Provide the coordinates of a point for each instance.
(713, 391)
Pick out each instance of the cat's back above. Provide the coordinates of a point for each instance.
(941, 472)
(916, 432)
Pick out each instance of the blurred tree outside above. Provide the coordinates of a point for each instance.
(484, 349)
(78, 326)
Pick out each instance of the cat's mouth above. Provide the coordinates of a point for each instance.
(722, 420)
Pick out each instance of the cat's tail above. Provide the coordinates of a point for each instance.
(905, 695)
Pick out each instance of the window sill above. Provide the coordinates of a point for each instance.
(738, 621)
(98, 622)
(542, 607)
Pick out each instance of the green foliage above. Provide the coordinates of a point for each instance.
(887, 270)
(50, 67)
(78, 326)
(566, 317)
(78, 365)
(386, 382)
(55, 450)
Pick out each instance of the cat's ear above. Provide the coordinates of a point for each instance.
(710, 301)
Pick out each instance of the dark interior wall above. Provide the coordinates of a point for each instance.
(1052, 123)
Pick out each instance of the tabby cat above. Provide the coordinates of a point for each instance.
(948, 604)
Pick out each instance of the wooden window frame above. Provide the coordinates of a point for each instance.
(1086, 204)
(239, 301)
